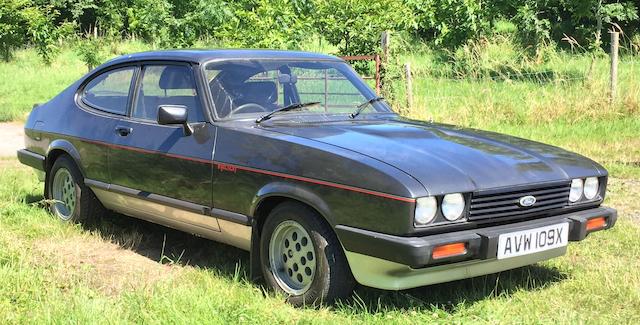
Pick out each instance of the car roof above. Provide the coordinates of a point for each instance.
(201, 56)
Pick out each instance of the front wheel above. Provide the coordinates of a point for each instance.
(302, 258)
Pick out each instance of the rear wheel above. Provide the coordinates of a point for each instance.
(302, 258)
(72, 200)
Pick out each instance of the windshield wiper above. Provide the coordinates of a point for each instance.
(362, 106)
(284, 109)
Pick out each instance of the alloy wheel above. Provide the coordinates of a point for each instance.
(64, 194)
(292, 257)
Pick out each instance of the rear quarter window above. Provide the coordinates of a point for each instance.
(109, 91)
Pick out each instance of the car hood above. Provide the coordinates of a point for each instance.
(446, 158)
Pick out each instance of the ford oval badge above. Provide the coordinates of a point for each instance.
(527, 201)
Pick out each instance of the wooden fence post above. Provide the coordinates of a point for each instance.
(615, 37)
(409, 84)
(385, 38)
(378, 79)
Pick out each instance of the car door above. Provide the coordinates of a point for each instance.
(103, 100)
(161, 164)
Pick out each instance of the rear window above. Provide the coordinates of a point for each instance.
(109, 91)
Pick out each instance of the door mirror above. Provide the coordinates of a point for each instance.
(174, 114)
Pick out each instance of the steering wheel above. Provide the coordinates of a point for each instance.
(249, 106)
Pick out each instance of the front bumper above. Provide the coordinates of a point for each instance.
(395, 263)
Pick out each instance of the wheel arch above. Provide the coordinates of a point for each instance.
(272, 194)
(61, 147)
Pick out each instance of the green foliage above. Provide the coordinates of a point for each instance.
(265, 24)
(110, 16)
(449, 23)
(12, 30)
(42, 31)
(393, 76)
(90, 52)
(583, 20)
(355, 26)
(532, 29)
(148, 18)
(208, 16)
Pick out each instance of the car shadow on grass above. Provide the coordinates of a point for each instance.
(166, 245)
(169, 246)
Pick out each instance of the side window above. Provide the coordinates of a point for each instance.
(167, 85)
(109, 91)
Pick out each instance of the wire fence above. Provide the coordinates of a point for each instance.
(584, 82)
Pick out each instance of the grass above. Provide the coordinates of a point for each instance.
(110, 272)
(27, 81)
(123, 270)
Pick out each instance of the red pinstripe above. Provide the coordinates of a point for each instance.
(221, 165)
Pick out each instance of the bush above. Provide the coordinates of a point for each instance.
(42, 31)
(12, 27)
(90, 52)
(265, 24)
(449, 23)
(355, 26)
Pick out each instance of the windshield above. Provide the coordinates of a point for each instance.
(253, 88)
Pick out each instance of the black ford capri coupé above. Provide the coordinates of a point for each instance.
(290, 155)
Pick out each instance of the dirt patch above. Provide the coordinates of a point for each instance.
(12, 135)
(101, 265)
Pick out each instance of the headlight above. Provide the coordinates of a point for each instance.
(576, 190)
(591, 187)
(453, 206)
(426, 208)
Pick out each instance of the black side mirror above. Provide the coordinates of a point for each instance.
(174, 114)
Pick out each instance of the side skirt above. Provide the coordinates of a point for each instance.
(215, 224)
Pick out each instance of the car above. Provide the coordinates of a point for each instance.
(294, 158)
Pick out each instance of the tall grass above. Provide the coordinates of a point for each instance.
(492, 82)
(558, 98)
(26, 81)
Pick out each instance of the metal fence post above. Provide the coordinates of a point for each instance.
(615, 37)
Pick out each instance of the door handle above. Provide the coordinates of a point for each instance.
(123, 131)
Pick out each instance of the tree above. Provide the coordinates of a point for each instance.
(355, 26)
(12, 26)
(583, 20)
(41, 30)
(265, 24)
(450, 23)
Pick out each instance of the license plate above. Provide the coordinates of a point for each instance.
(532, 240)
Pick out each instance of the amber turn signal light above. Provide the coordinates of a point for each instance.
(448, 250)
(596, 223)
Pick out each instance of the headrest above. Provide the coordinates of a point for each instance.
(176, 77)
(261, 92)
(287, 78)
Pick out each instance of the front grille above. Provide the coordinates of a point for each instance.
(505, 202)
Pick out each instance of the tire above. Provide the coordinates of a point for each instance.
(294, 239)
(73, 201)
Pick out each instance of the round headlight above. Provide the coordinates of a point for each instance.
(426, 208)
(591, 188)
(453, 206)
(576, 190)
